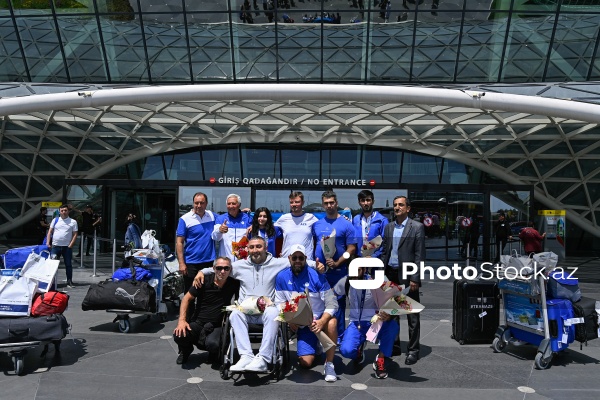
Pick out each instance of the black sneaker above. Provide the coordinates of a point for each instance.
(379, 366)
(360, 357)
(182, 358)
(70, 284)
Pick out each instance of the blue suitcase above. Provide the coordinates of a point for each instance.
(15, 258)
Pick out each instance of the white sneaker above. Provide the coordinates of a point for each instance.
(241, 365)
(330, 375)
(258, 365)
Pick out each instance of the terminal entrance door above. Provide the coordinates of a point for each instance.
(447, 217)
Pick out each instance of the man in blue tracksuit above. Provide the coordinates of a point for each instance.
(362, 309)
(297, 278)
(231, 227)
(368, 224)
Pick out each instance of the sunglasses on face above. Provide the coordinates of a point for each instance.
(298, 258)
(226, 269)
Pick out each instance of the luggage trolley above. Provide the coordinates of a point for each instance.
(530, 318)
(18, 350)
(157, 271)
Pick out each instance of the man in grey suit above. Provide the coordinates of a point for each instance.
(404, 241)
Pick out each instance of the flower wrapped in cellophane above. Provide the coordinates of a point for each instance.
(240, 249)
(298, 311)
(252, 305)
(328, 244)
(369, 247)
(384, 300)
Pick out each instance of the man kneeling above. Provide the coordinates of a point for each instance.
(324, 305)
(204, 330)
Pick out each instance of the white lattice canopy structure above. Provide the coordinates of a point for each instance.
(547, 136)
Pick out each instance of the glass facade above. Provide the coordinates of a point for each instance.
(314, 162)
(186, 41)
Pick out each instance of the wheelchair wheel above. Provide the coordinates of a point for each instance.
(282, 354)
(224, 350)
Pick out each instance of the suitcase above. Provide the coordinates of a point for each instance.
(28, 329)
(589, 329)
(562, 330)
(476, 311)
(120, 295)
(15, 258)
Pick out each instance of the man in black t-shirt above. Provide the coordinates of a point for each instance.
(204, 329)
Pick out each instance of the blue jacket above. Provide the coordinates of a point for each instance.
(377, 228)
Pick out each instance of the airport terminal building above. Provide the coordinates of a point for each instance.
(468, 107)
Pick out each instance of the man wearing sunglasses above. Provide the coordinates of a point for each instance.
(204, 330)
(257, 278)
(324, 305)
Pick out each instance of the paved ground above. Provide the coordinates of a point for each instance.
(98, 362)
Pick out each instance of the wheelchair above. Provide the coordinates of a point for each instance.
(228, 354)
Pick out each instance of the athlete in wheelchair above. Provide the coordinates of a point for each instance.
(203, 330)
(257, 278)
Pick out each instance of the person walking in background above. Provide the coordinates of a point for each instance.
(61, 238)
(133, 234)
(532, 240)
(262, 225)
(42, 225)
(89, 222)
(503, 234)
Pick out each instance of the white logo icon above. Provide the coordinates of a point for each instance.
(360, 262)
(123, 292)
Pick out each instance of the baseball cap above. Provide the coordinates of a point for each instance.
(298, 247)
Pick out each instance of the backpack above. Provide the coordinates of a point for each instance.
(45, 304)
(588, 329)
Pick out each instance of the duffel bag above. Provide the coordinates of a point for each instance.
(27, 329)
(124, 274)
(561, 286)
(588, 328)
(15, 258)
(49, 303)
(120, 295)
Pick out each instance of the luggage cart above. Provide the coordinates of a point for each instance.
(17, 352)
(527, 318)
(157, 271)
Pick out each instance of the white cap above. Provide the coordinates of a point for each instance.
(298, 247)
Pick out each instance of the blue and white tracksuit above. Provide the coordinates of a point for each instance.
(320, 296)
(362, 309)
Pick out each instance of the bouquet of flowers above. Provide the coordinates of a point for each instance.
(368, 248)
(328, 244)
(391, 299)
(240, 249)
(252, 305)
(298, 311)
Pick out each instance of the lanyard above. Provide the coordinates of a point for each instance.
(362, 305)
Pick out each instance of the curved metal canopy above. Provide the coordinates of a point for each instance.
(87, 131)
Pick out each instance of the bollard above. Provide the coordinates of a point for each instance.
(114, 258)
(95, 253)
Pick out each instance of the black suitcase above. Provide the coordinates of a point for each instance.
(476, 311)
(28, 329)
(588, 330)
(120, 295)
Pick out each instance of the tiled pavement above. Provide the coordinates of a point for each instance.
(99, 362)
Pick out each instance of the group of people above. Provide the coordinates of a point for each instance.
(214, 272)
